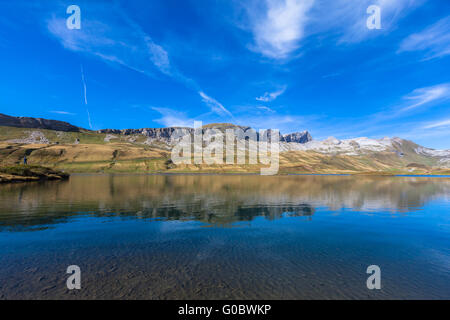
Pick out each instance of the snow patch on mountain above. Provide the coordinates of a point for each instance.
(333, 145)
(433, 153)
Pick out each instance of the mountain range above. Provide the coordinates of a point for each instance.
(64, 146)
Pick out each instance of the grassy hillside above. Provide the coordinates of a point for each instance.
(126, 157)
(91, 152)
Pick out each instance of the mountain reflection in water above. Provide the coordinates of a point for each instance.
(212, 199)
(226, 237)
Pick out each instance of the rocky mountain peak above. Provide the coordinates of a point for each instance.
(298, 137)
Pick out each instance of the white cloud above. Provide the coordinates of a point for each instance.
(270, 96)
(173, 118)
(215, 106)
(437, 124)
(280, 26)
(265, 109)
(434, 41)
(426, 95)
(278, 30)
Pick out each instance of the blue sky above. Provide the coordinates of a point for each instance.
(283, 64)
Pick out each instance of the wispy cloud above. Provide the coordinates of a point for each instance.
(85, 97)
(437, 124)
(215, 105)
(434, 41)
(84, 86)
(63, 113)
(418, 100)
(284, 123)
(117, 39)
(270, 96)
(278, 29)
(113, 40)
(348, 19)
(395, 120)
(331, 75)
(423, 96)
(267, 109)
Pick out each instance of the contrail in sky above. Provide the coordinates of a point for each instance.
(85, 96)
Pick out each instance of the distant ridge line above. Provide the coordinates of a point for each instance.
(37, 123)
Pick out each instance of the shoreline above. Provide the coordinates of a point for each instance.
(252, 174)
(52, 175)
(30, 173)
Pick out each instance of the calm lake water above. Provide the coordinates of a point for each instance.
(226, 237)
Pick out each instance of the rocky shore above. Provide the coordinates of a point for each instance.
(25, 173)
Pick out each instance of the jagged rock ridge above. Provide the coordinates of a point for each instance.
(171, 134)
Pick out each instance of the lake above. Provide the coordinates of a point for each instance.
(226, 237)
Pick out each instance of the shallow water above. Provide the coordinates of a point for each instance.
(226, 237)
